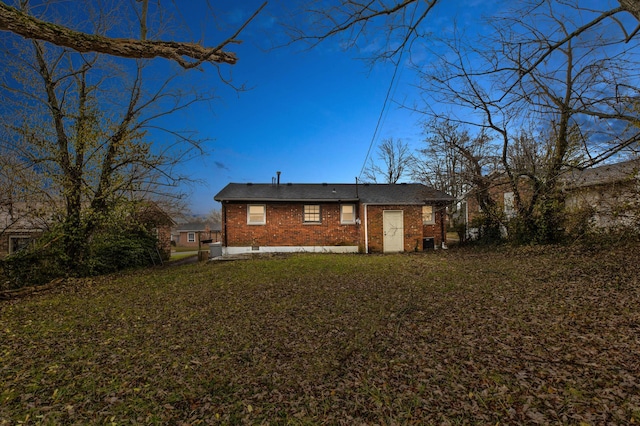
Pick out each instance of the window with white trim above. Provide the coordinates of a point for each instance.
(428, 217)
(311, 213)
(347, 213)
(256, 214)
(191, 237)
(18, 243)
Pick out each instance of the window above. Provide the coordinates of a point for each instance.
(311, 213)
(427, 215)
(347, 213)
(191, 237)
(256, 214)
(18, 243)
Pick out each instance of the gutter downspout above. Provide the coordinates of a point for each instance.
(466, 219)
(224, 221)
(366, 230)
(443, 235)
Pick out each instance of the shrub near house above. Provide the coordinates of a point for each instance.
(31, 251)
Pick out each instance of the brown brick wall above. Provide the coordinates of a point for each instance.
(4, 246)
(285, 227)
(435, 230)
(497, 191)
(183, 238)
(164, 241)
(414, 230)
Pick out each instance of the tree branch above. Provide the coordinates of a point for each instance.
(187, 55)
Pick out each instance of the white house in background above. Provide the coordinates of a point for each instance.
(609, 193)
(20, 224)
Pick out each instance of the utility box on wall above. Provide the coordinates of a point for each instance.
(428, 243)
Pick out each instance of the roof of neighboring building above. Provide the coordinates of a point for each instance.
(608, 173)
(150, 212)
(23, 216)
(198, 226)
(402, 193)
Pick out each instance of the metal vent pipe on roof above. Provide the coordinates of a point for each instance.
(278, 174)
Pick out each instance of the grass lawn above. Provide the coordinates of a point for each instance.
(467, 336)
(188, 249)
(182, 255)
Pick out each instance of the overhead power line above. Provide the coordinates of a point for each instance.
(386, 101)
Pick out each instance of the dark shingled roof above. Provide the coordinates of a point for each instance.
(607, 174)
(198, 226)
(402, 193)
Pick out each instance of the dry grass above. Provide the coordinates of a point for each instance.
(530, 335)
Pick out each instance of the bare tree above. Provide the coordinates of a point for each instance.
(215, 216)
(391, 24)
(558, 64)
(84, 128)
(187, 54)
(454, 160)
(395, 160)
(578, 83)
(505, 87)
(396, 24)
(462, 165)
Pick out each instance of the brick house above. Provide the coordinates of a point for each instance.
(159, 223)
(22, 224)
(501, 192)
(607, 195)
(331, 217)
(193, 234)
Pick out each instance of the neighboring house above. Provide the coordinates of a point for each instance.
(193, 234)
(158, 222)
(608, 194)
(501, 193)
(20, 224)
(331, 217)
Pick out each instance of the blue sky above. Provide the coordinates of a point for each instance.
(310, 113)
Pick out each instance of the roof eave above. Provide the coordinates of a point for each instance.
(404, 203)
(288, 200)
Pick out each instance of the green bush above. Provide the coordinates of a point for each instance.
(36, 265)
(114, 251)
(460, 228)
(110, 250)
(489, 229)
(579, 223)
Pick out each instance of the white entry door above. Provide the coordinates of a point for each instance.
(393, 228)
